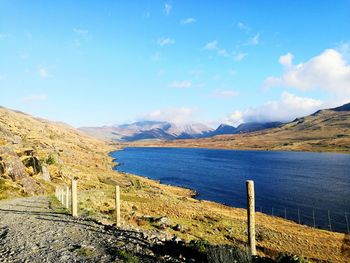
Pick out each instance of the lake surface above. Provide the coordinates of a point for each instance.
(285, 182)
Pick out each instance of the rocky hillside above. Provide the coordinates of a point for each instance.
(36, 154)
(325, 130)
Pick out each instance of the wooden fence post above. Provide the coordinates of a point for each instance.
(67, 197)
(62, 196)
(251, 216)
(74, 197)
(59, 195)
(56, 191)
(117, 204)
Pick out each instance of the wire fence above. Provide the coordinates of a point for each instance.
(310, 216)
(314, 217)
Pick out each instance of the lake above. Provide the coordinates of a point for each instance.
(315, 184)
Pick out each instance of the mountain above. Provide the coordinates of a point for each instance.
(326, 130)
(161, 130)
(148, 130)
(243, 128)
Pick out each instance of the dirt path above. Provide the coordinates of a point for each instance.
(31, 231)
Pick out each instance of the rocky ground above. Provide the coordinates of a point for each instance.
(31, 230)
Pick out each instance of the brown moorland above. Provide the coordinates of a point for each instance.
(36, 155)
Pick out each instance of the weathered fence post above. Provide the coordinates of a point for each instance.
(67, 197)
(313, 216)
(62, 196)
(59, 194)
(329, 220)
(56, 192)
(285, 213)
(347, 222)
(298, 215)
(117, 204)
(74, 197)
(251, 216)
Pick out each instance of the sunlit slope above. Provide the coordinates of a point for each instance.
(36, 154)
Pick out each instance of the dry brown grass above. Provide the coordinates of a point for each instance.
(87, 158)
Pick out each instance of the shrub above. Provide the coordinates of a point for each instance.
(50, 160)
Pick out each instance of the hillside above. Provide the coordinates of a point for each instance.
(324, 131)
(36, 155)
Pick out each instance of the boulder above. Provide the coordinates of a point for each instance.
(12, 164)
(30, 186)
(46, 174)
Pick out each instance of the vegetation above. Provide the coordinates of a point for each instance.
(142, 199)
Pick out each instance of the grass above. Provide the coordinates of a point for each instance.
(77, 155)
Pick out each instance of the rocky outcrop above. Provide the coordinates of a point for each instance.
(15, 169)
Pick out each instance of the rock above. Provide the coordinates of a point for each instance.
(163, 220)
(11, 164)
(31, 186)
(178, 227)
(32, 161)
(46, 174)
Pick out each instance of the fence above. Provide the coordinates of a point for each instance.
(314, 217)
(317, 218)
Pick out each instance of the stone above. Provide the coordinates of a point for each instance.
(46, 174)
(178, 227)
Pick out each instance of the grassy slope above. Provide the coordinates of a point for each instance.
(326, 131)
(87, 158)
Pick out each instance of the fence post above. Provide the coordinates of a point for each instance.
(62, 195)
(347, 222)
(251, 216)
(74, 197)
(285, 213)
(313, 216)
(67, 197)
(56, 192)
(298, 215)
(59, 194)
(117, 204)
(329, 220)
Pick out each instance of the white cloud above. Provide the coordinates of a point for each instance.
(80, 31)
(328, 71)
(185, 84)
(286, 60)
(224, 94)
(167, 8)
(286, 109)
(211, 45)
(255, 40)
(43, 72)
(234, 119)
(34, 98)
(189, 20)
(166, 41)
(243, 27)
(180, 115)
(240, 56)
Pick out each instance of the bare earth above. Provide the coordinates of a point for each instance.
(31, 231)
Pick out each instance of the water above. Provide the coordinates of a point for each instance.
(284, 181)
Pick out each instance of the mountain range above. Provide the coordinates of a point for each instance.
(161, 130)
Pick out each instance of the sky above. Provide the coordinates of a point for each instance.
(93, 63)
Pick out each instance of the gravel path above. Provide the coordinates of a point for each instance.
(31, 231)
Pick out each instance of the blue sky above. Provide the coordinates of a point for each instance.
(91, 63)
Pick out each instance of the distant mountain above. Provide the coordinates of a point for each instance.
(325, 130)
(148, 130)
(242, 128)
(161, 130)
